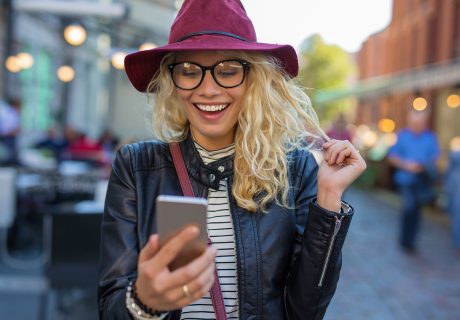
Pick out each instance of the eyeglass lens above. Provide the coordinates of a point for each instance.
(188, 75)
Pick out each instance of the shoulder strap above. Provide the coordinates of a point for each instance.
(216, 291)
(181, 170)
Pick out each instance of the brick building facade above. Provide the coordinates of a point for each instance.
(417, 55)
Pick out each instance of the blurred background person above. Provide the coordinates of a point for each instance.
(10, 124)
(109, 142)
(53, 144)
(339, 130)
(414, 155)
(453, 196)
(83, 148)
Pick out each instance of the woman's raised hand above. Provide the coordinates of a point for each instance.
(164, 290)
(341, 166)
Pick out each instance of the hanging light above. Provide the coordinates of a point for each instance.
(387, 125)
(453, 101)
(147, 46)
(75, 34)
(419, 104)
(25, 60)
(12, 64)
(118, 60)
(66, 73)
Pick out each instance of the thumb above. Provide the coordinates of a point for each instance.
(150, 249)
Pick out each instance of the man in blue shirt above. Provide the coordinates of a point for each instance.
(414, 155)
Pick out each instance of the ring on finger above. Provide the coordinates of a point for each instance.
(186, 291)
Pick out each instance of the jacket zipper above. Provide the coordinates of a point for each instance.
(238, 269)
(338, 223)
(285, 303)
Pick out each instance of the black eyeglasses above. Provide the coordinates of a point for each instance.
(226, 73)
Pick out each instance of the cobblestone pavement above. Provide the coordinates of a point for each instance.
(380, 282)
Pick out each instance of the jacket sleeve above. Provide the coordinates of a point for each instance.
(315, 270)
(119, 241)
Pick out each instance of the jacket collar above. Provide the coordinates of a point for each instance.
(207, 174)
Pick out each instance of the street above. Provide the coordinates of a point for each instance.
(378, 281)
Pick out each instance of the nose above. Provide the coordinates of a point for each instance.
(208, 86)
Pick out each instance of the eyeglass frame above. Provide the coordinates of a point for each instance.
(246, 66)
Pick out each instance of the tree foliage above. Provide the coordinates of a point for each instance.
(325, 67)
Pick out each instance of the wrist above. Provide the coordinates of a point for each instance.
(329, 200)
(137, 309)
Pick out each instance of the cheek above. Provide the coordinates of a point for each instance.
(182, 96)
(183, 99)
(239, 106)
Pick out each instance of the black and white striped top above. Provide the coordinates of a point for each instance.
(220, 231)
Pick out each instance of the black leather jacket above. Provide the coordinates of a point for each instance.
(288, 260)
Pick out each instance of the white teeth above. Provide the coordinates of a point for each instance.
(218, 107)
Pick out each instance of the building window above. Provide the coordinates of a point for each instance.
(432, 45)
(456, 33)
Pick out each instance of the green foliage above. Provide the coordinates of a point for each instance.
(325, 67)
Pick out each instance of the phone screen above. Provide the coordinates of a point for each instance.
(176, 212)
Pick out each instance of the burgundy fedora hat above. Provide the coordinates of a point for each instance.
(207, 25)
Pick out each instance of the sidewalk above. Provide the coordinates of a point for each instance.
(379, 282)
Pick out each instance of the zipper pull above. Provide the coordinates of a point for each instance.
(338, 223)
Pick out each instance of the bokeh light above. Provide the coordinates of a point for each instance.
(370, 139)
(12, 64)
(75, 34)
(25, 60)
(118, 60)
(66, 73)
(390, 139)
(455, 144)
(387, 125)
(453, 101)
(147, 46)
(419, 104)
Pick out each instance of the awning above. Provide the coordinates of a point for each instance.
(432, 76)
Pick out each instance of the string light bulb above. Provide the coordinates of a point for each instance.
(75, 34)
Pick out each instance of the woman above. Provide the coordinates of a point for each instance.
(246, 133)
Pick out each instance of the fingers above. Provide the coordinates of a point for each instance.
(343, 155)
(192, 270)
(170, 249)
(198, 287)
(198, 281)
(149, 249)
(336, 151)
(332, 151)
(339, 152)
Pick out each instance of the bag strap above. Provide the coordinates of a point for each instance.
(181, 170)
(216, 291)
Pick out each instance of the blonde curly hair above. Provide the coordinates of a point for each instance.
(263, 140)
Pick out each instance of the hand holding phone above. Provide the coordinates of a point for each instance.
(162, 289)
(174, 213)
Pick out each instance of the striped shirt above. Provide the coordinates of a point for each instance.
(220, 231)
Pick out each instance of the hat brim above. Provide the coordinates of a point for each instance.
(141, 66)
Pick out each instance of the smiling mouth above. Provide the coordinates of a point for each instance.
(211, 107)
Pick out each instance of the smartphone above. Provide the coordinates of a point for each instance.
(173, 213)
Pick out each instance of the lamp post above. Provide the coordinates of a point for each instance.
(8, 18)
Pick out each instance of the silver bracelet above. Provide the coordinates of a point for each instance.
(136, 311)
